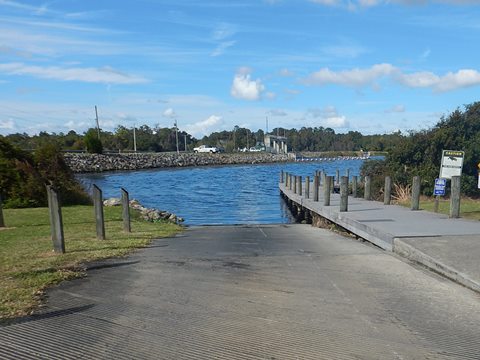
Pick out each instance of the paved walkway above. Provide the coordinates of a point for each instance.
(252, 292)
(448, 246)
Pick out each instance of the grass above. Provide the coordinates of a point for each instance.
(28, 265)
(469, 208)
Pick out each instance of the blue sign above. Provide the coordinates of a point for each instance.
(439, 188)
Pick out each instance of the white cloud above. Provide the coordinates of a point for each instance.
(337, 122)
(354, 4)
(396, 109)
(329, 117)
(105, 75)
(369, 76)
(204, 127)
(7, 124)
(448, 82)
(244, 88)
(169, 113)
(418, 79)
(224, 31)
(220, 49)
(221, 35)
(460, 79)
(354, 77)
(424, 56)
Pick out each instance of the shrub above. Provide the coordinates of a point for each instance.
(23, 177)
(92, 142)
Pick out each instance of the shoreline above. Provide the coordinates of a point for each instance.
(82, 163)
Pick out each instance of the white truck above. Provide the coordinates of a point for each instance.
(205, 149)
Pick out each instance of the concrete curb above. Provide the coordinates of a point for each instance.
(409, 252)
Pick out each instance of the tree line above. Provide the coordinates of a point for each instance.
(419, 153)
(157, 139)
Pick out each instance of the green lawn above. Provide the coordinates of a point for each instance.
(28, 264)
(469, 208)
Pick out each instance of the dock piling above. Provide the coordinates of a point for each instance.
(344, 193)
(326, 190)
(315, 187)
(354, 186)
(307, 187)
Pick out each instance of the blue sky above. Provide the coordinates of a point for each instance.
(374, 66)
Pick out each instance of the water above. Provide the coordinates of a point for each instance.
(239, 194)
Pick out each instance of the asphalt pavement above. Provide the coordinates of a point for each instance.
(252, 292)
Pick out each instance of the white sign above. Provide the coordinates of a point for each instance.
(452, 163)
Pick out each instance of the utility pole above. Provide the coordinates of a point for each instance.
(98, 126)
(176, 135)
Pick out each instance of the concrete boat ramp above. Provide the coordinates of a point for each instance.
(448, 246)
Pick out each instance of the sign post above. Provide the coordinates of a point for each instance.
(452, 163)
(439, 190)
(478, 165)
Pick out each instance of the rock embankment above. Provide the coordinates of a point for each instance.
(147, 214)
(84, 163)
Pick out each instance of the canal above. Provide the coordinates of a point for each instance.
(238, 194)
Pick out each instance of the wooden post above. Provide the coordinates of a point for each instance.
(56, 222)
(347, 174)
(326, 190)
(2, 220)
(286, 179)
(367, 191)
(320, 175)
(455, 197)
(416, 193)
(323, 178)
(126, 211)
(299, 185)
(387, 195)
(436, 203)
(337, 177)
(98, 206)
(290, 181)
(344, 193)
(307, 187)
(315, 187)
(332, 184)
(281, 177)
(354, 186)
